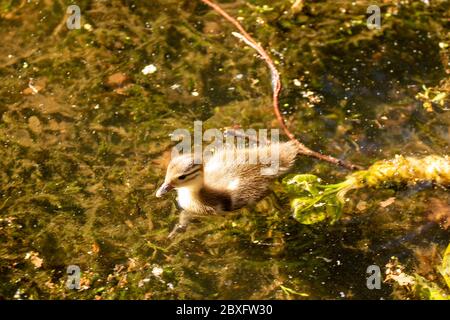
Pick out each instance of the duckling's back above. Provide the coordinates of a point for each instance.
(240, 175)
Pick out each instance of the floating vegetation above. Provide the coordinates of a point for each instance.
(437, 97)
(421, 286)
(313, 201)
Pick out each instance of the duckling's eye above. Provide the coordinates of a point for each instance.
(182, 177)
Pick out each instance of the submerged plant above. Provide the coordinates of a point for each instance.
(420, 286)
(434, 97)
(313, 202)
(444, 269)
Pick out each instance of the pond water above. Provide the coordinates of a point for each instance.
(85, 140)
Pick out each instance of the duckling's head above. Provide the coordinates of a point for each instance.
(182, 172)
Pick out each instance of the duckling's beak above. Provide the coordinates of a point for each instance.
(166, 187)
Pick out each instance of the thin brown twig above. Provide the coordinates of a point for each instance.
(276, 86)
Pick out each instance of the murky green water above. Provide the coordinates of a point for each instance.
(85, 140)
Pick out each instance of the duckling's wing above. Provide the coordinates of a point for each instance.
(241, 173)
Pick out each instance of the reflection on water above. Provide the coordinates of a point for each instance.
(85, 141)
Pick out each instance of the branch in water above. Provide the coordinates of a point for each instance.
(276, 89)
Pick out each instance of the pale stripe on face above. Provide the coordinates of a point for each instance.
(190, 174)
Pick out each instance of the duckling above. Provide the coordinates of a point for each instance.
(226, 181)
